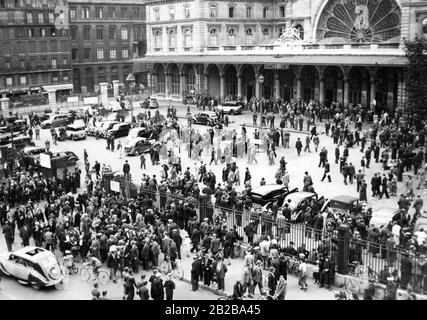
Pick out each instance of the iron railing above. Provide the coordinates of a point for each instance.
(351, 255)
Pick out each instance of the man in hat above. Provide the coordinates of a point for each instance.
(169, 285)
(157, 292)
(195, 273)
(143, 291)
(220, 269)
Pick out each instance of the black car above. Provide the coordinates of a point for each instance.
(139, 146)
(267, 194)
(119, 130)
(150, 103)
(204, 118)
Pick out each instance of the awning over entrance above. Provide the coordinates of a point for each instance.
(56, 87)
(351, 60)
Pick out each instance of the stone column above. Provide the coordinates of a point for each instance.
(51, 94)
(221, 85)
(149, 83)
(346, 92)
(364, 92)
(115, 88)
(4, 104)
(276, 85)
(239, 85)
(321, 90)
(299, 88)
(257, 88)
(103, 88)
(373, 93)
(205, 83)
(182, 84)
(167, 85)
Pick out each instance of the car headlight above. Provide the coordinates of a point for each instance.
(55, 272)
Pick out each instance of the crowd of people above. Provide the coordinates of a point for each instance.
(129, 234)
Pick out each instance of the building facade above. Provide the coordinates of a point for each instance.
(34, 49)
(105, 36)
(349, 51)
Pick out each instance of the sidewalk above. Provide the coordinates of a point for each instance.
(234, 273)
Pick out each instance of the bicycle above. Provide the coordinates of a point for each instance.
(176, 270)
(71, 269)
(102, 276)
(293, 266)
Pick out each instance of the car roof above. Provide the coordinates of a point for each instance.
(31, 253)
(263, 190)
(386, 210)
(344, 198)
(76, 125)
(117, 125)
(27, 149)
(300, 195)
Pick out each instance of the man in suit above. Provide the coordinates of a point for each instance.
(126, 169)
(215, 244)
(8, 235)
(271, 281)
(326, 174)
(220, 269)
(195, 273)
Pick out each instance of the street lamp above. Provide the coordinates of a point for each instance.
(261, 81)
(131, 80)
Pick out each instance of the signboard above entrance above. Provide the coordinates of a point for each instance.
(276, 66)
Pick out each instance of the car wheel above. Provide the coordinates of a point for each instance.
(34, 283)
(232, 112)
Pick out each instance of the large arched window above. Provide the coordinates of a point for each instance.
(231, 12)
(265, 13)
(175, 81)
(266, 34)
(213, 36)
(425, 29)
(249, 36)
(187, 38)
(190, 80)
(157, 39)
(231, 37)
(300, 30)
(172, 38)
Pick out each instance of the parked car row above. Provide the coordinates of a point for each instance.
(265, 196)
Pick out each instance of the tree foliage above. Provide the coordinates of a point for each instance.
(416, 81)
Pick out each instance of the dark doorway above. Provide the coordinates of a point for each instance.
(287, 93)
(267, 92)
(249, 92)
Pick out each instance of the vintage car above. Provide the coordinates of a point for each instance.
(56, 120)
(267, 194)
(119, 130)
(383, 216)
(35, 266)
(33, 152)
(138, 146)
(150, 103)
(230, 107)
(342, 204)
(66, 154)
(205, 118)
(76, 131)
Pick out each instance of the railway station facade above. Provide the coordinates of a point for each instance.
(350, 51)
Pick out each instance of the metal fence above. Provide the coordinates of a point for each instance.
(351, 255)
